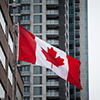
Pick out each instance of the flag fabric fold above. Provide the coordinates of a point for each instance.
(38, 52)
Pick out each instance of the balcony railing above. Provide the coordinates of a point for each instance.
(52, 83)
(53, 42)
(52, 93)
(26, 93)
(55, 32)
(51, 1)
(52, 12)
(25, 22)
(25, 72)
(25, 11)
(25, 1)
(50, 73)
(52, 22)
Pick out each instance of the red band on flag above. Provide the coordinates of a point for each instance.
(27, 46)
(74, 72)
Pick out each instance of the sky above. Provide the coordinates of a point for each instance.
(94, 48)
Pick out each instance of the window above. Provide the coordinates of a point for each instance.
(37, 9)
(39, 36)
(18, 93)
(26, 89)
(2, 22)
(71, 37)
(71, 28)
(10, 42)
(71, 20)
(37, 28)
(10, 9)
(37, 1)
(26, 7)
(37, 70)
(37, 80)
(18, 9)
(26, 98)
(10, 75)
(37, 90)
(71, 11)
(26, 79)
(37, 18)
(2, 57)
(2, 92)
(17, 19)
(37, 98)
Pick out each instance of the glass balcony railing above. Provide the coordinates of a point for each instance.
(52, 93)
(52, 22)
(25, 1)
(53, 42)
(26, 82)
(52, 83)
(25, 72)
(25, 11)
(25, 22)
(55, 32)
(51, 1)
(52, 12)
(26, 93)
(50, 73)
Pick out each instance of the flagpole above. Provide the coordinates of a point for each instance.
(14, 6)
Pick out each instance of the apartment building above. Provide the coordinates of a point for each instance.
(9, 89)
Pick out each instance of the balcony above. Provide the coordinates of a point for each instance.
(77, 35)
(26, 93)
(25, 11)
(25, 22)
(52, 83)
(51, 1)
(53, 94)
(51, 73)
(77, 8)
(25, 1)
(52, 32)
(53, 42)
(51, 22)
(77, 25)
(77, 17)
(77, 44)
(77, 1)
(25, 72)
(52, 12)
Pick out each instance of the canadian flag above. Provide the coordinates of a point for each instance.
(34, 50)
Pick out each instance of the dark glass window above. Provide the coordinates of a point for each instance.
(37, 28)
(71, 28)
(18, 9)
(17, 19)
(37, 80)
(37, 98)
(37, 18)
(26, 98)
(71, 37)
(39, 36)
(71, 11)
(37, 1)
(37, 70)
(10, 9)
(10, 1)
(26, 89)
(37, 9)
(71, 20)
(37, 90)
(71, 46)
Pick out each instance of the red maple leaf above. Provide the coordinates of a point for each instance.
(51, 57)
